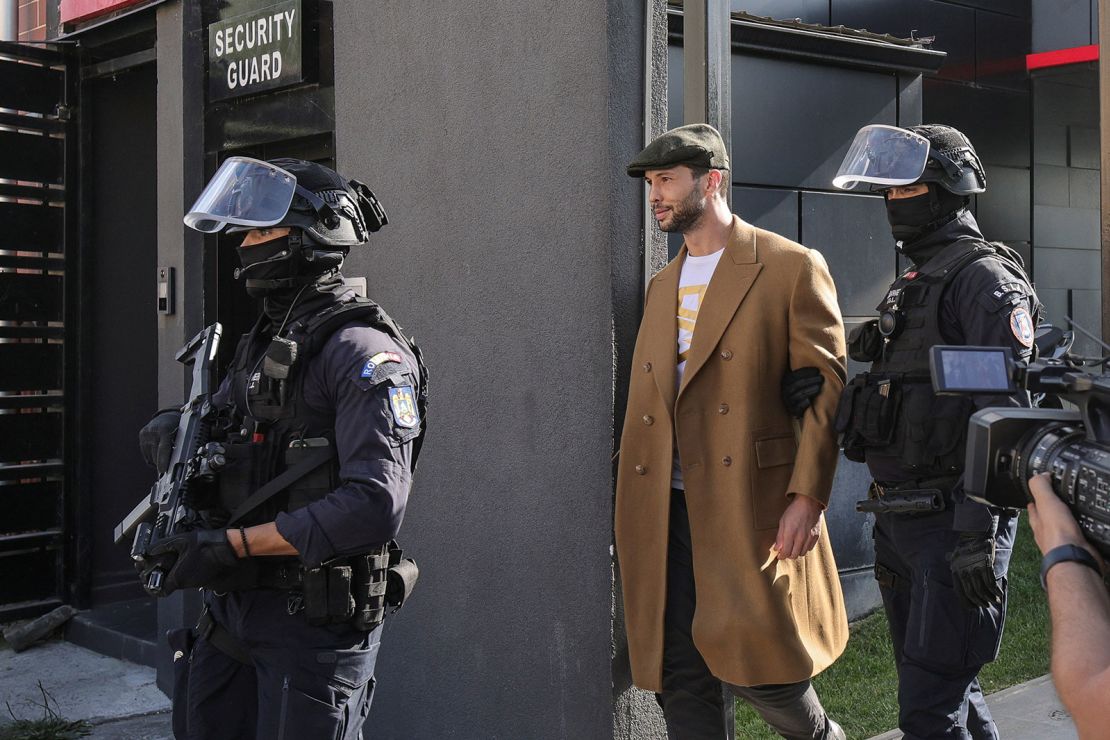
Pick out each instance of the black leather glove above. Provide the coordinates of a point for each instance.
(799, 387)
(192, 560)
(972, 563)
(156, 439)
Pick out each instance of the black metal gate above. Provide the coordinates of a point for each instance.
(37, 155)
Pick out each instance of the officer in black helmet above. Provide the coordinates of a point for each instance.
(940, 558)
(320, 422)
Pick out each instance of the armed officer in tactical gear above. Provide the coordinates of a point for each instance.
(940, 558)
(318, 426)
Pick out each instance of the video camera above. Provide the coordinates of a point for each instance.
(1007, 446)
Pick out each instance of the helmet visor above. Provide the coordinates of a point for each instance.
(883, 155)
(244, 192)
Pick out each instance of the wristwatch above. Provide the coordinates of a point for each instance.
(1064, 554)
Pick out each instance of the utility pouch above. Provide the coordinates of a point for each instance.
(368, 589)
(327, 595)
(314, 485)
(865, 342)
(867, 413)
(403, 573)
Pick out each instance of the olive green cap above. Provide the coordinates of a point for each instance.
(696, 145)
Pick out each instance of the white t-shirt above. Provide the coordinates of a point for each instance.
(692, 285)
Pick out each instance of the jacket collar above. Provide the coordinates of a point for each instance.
(731, 281)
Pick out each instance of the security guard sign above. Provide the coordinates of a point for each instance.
(403, 404)
(256, 50)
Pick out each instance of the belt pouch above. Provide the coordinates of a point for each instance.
(316, 596)
(341, 606)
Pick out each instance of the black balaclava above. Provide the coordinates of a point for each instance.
(305, 282)
(912, 218)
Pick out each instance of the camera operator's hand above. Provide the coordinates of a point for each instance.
(1053, 525)
(156, 439)
(799, 388)
(193, 559)
(972, 564)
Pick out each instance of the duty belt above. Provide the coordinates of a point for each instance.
(907, 497)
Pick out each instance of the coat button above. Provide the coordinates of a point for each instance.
(640, 470)
(649, 420)
(647, 367)
(723, 409)
(726, 354)
(727, 461)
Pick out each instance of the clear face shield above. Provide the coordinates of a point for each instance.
(883, 155)
(243, 192)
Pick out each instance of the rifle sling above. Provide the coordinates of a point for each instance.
(306, 465)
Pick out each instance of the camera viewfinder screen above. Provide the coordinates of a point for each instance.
(975, 369)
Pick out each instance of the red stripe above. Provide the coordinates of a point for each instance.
(1061, 57)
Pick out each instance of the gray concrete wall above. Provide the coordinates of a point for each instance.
(1066, 173)
(495, 135)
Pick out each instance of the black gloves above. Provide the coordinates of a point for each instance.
(799, 387)
(972, 565)
(156, 439)
(192, 560)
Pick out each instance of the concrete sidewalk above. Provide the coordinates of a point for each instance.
(118, 697)
(122, 702)
(1028, 711)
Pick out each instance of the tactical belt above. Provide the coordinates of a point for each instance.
(926, 496)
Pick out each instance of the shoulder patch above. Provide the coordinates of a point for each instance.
(1021, 324)
(402, 401)
(378, 359)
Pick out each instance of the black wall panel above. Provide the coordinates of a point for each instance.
(29, 156)
(809, 11)
(1001, 43)
(1003, 211)
(1019, 8)
(792, 122)
(30, 436)
(952, 25)
(768, 208)
(30, 227)
(852, 233)
(996, 121)
(28, 87)
(27, 297)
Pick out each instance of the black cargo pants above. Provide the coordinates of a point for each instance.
(305, 681)
(939, 644)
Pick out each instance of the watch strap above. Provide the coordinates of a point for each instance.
(1065, 554)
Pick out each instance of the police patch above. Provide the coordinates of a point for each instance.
(373, 362)
(1021, 324)
(403, 405)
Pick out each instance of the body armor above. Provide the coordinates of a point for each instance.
(891, 411)
(278, 454)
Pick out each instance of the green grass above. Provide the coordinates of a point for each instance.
(860, 689)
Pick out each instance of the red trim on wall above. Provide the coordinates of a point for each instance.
(79, 10)
(1057, 58)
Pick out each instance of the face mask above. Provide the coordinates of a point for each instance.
(272, 260)
(907, 216)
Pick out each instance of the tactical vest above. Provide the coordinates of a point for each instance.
(892, 410)
(265, 432)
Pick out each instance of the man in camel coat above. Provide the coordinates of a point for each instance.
(727, 569)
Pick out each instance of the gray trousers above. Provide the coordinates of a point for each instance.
(693, 698)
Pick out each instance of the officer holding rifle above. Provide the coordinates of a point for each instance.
(315, 434)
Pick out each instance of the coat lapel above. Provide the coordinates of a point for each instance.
(731, 281)
(661, 320)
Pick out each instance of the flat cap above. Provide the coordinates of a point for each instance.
(696, 144)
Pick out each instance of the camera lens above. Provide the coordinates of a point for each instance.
(1047, 449)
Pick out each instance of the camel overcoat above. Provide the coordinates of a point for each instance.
(770, 307)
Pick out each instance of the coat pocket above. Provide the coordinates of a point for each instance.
(774, 464)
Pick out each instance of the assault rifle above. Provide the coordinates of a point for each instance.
(169, 501)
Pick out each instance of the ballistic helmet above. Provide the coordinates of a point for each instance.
(889, 156)
(247, 194)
